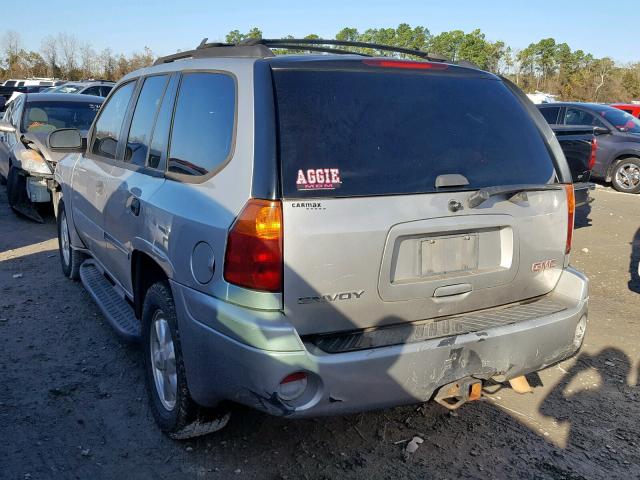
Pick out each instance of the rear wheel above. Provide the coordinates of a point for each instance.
(626, 175)
(70, 259)
(171, 404)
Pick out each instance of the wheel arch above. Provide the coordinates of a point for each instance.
(146, 269)
(618, 157)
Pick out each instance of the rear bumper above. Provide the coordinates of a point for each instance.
(220, 367)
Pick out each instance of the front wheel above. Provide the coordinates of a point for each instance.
(171, 404)
(16, 187)
(70, 259)
(626, 175)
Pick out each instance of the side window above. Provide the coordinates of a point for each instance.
(160, 138)
(104, 91)
(203, 124)
(550, 114)
(580, 117)
(109, 123)
(143, 118)
(92, 91)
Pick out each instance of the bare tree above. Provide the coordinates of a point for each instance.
(603, 69)
(88, 60)
(68, 45)
(11, 46)
(49, 51)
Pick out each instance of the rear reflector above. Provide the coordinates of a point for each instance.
(254, 247)
(594, 150)
(292, 386)
(571, 210)
(407, 65)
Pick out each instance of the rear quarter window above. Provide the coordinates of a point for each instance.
(203, 124)
(384, 133)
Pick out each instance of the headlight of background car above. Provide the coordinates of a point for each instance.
(33, 162)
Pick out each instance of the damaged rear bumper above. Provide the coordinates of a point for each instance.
(229, 356)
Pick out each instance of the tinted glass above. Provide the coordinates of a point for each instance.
(105, 91)
(203, 124)
(622, 121)
(143, 118)
(92, 91)
(160, 138)
(49, 116)
(10, 83)
(575, 116)
(110, 122)
(354, 133)
(550, 114)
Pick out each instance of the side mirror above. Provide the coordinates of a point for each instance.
(601, 131)
(6, 127)
(68, 139)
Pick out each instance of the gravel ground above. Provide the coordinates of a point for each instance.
(73, 403)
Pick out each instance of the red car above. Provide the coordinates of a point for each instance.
(632, 108)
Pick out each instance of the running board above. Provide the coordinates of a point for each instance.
(116, 310)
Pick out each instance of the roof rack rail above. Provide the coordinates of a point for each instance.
(263, 47)
(319, 44)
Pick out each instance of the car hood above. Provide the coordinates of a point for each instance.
(38, 142)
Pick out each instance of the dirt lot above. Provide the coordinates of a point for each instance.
(73, 404)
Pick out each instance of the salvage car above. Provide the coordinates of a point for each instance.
(321, 234)
(618, 155)
(27, 162)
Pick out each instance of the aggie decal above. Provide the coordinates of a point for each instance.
(318, 179)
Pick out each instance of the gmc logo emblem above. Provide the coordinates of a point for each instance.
(543, 265)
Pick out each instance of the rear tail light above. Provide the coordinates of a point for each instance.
(254, 247)
(404, 64)
(594, 150)
(571, 209)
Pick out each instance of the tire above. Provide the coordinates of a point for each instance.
(70, 259)
(625, 175)
(176, 413)
(16, 187)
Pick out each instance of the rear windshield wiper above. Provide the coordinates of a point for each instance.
(478, 198)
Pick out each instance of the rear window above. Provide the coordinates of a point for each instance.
(360, 133)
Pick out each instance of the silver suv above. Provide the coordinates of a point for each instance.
(321, 234)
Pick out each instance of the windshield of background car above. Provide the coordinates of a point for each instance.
(49, 116)
(621, 120)
(362, 132)
(68, 89)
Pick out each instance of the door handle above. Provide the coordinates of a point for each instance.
(99, 187)
(134, 206)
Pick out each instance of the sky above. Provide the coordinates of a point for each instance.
(601, 28)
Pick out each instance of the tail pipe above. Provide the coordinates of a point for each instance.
(453, 395)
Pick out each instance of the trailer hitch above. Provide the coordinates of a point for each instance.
(453, 395)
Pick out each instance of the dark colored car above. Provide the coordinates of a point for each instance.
(618, 156)
(580, 146)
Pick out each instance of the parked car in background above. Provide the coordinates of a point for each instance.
(630, 108)
(100, 88)
(245, 257)
(27, 162)
(580, 146)
(618, 155)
